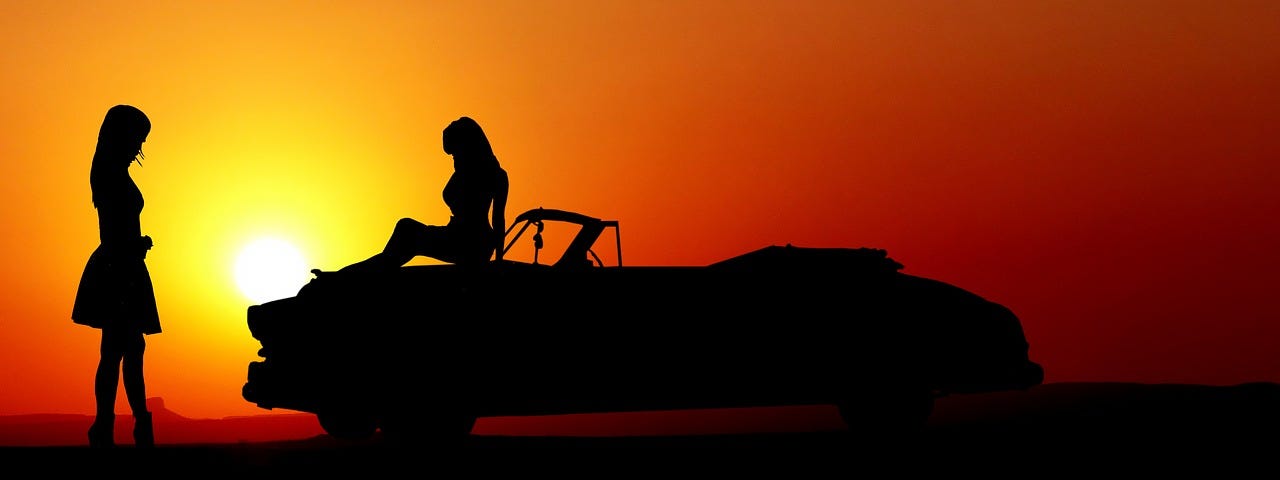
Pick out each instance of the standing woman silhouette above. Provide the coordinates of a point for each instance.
(115, 293)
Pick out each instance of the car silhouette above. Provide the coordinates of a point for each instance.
(421, 352)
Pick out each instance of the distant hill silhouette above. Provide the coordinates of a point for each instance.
(1118, 418)
(1066, 412)
(170, 427)
(1051, 414)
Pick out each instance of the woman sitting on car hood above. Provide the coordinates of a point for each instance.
(477, 189)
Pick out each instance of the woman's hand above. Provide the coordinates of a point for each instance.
(144, 244)
(500, 238)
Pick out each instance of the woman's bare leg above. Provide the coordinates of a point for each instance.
(135, 388)
(105, 382)
(409, 239)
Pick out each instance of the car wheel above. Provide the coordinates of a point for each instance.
(348, 426)
(877, 416)
(428, 429)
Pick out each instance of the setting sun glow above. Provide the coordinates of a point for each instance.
(270, 269)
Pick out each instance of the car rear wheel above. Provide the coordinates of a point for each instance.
(900, 413)
(348, 426)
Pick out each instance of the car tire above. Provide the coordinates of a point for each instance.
(886, 415)
(347, 426)
(437, 430)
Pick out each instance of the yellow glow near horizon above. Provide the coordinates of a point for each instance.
(270, 269)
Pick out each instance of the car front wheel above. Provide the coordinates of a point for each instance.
(428, 429)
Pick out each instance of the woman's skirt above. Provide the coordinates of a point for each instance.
(115, 291)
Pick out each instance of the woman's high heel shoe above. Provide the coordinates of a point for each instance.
(102, 432)
(143, 436)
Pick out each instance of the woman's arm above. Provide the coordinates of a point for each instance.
(119, 230)
(500, 213)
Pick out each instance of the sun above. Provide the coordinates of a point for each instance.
(270, 269)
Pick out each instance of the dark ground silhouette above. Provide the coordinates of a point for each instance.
(1099, 428)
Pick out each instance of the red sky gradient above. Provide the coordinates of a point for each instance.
(1108, 170)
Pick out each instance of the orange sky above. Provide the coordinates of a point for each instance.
(1106, 169)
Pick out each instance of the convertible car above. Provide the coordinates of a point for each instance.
(421, 352)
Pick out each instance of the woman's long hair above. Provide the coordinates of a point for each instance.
(464, 137)
(122, 128)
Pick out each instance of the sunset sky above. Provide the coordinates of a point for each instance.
(1106, 169)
